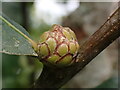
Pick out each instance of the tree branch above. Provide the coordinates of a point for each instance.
(107, 33)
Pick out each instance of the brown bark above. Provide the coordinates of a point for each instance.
(103, 37)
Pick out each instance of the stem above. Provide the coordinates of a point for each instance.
(107, 33)
(17, 30)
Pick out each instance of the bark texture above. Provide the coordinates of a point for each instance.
(103, 37)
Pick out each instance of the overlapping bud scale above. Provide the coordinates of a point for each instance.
(58, 46)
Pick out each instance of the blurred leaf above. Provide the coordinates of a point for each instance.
(38, 67)
(10, 67)
(16, 71)
(12, 41)
(24, 74)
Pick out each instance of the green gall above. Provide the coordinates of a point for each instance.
(53, 58)
(51, 44)
(43, 50)
(73, 47)
(62, 49)
(58, 46)
(67, 34)
(44, 36)
(66, 60)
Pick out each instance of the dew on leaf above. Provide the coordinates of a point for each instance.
(17, 44)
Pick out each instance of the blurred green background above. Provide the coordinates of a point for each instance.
(83, 18)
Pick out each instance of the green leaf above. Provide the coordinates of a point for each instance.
(15, 39)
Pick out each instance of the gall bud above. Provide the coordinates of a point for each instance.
(58, 46)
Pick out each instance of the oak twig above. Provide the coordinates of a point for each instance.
(103, 37)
